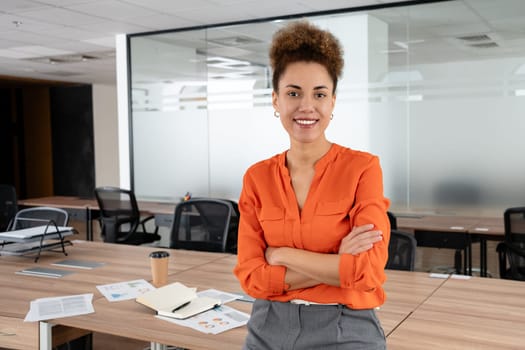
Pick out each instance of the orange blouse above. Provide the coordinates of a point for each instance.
(346, 191)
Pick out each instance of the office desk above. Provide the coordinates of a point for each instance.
(132, 320)
(87, 210)
(479, 313)
(122, 263)
(405, 291)
(487, 229)
(412, 298)
(450, 231)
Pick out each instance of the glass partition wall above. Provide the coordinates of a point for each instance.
(437, 90)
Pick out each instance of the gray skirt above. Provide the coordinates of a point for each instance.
(275, 325)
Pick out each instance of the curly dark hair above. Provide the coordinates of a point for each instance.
(304, 42)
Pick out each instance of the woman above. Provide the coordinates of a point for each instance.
(313, 233)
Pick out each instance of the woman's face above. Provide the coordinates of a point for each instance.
(305, 101)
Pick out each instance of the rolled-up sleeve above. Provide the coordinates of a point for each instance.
(365, 271)
(256, 276)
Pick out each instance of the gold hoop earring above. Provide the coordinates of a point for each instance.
(276, 114)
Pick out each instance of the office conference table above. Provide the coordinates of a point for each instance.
(445, 226)
(411, 297)
(122, 263)
(132, 320)
(480, 313)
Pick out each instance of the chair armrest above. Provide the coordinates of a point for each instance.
(503, 249)
(146, 219)
(143, 224)
(513, 249)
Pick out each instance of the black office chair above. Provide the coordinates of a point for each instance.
(120, 217)
(205, 224)
(401, 251)
(8, 206)
(393, 220)
(511, 252)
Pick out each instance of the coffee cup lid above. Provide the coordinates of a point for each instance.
(159, 254)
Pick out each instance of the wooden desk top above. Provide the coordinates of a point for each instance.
(420, 312)
(480, 313)
(405, 291)
(146, 207)
(195, 269)
(59, 202)
(489, 226)
(157, 207)
(453, 223)
(487, 298)
(121, 263)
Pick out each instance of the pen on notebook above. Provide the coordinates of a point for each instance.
(180, 306)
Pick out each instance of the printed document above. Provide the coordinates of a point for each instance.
(125, 290)
(57, 307)
(215, 321)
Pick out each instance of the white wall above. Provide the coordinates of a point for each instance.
(105, 123)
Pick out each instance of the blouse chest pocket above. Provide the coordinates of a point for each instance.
(331, 208)
(273, 224)
(331, 222)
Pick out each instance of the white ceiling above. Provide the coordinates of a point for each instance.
(35, 35)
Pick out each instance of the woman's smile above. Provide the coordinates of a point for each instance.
(306, 122)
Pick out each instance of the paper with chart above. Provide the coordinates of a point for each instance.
(125, 290)
(57, 307)
(215, 321)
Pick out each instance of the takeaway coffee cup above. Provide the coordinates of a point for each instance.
(159, 267)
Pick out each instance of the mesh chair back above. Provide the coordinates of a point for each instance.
(120, 217)
(118, 208)
(514, 220)
(117, 202)
(401, 251)
(393, 220)
(8, 206)
(205, 224)
(40, 216)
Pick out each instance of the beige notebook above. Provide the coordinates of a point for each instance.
(177, 301)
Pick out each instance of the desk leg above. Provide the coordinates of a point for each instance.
(89, 225)
(157, 346)
(45, 336)
(469, 249)
(482, 257)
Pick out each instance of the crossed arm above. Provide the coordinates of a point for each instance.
(306, 269)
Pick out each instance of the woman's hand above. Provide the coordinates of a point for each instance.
(360, 239)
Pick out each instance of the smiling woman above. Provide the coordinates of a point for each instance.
(313, 231)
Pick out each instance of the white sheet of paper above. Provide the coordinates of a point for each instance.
(57, 307)
(224, 297)
(460, 277)
(215, 321)
(125, 290)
